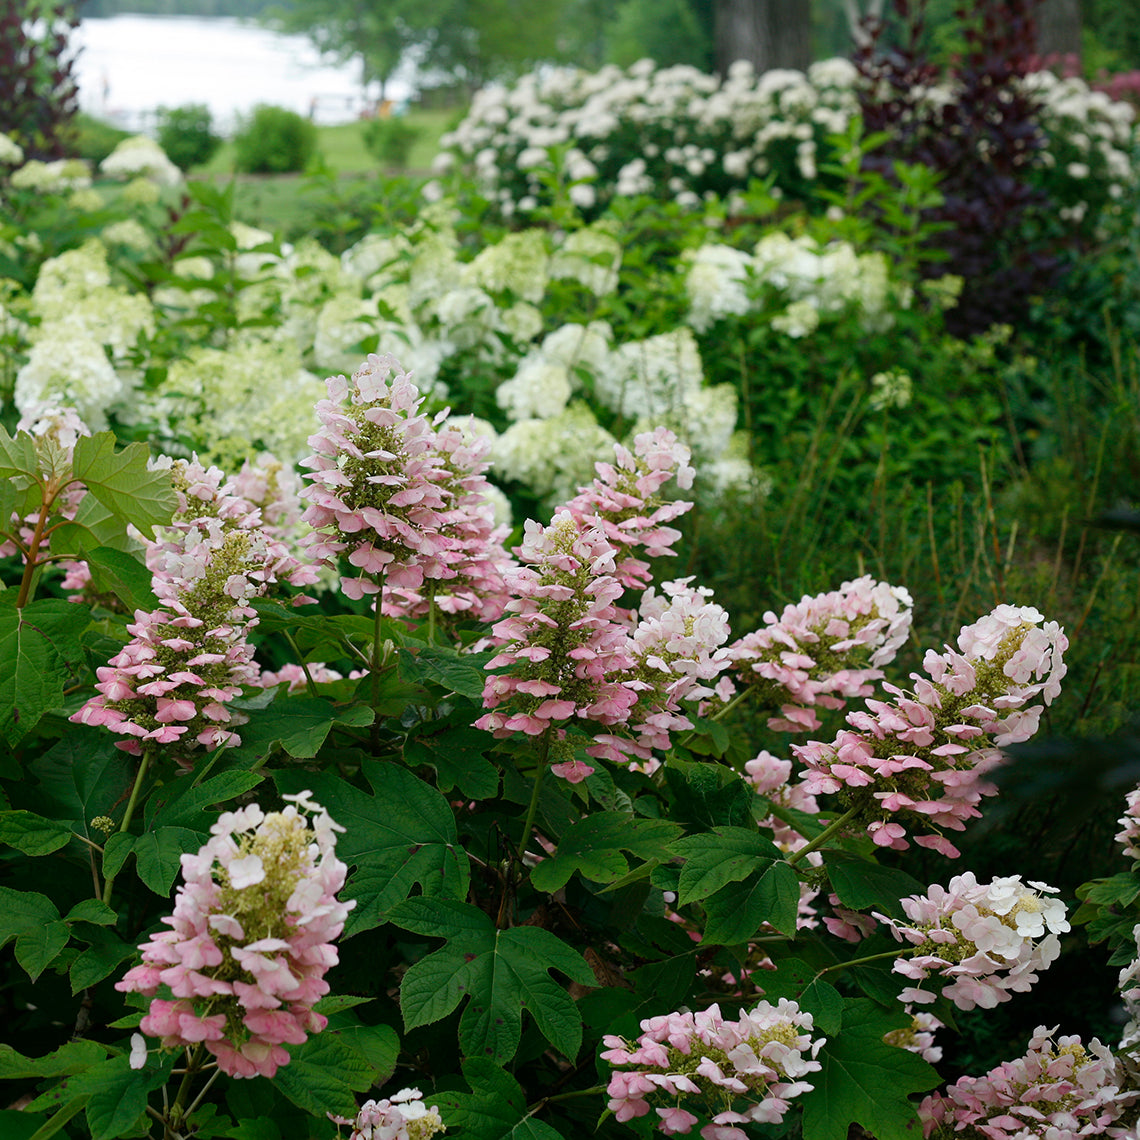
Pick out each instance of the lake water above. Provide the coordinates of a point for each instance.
(130, 65)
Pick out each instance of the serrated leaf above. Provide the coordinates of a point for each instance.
(865, 1081)
(861, 883)
(119, 1094)
(92, 910)
(723, 855)
(37, 948)
(708, 795)
(737, 911)
(300, 725)
(73, 1057)
(461, 673)
(323, 1075)
(502, 972)
(99, 960)
(120, 480)
(1122, 888)
(594, 847)
(16, 1125)
(18, 455)
(377, 1045)
(402, 835)
(21, 912)
(457, 755)
(123, 575)
(194, 805)
(495, 1109)
(32, 834)
(158, 855)
(40, 648)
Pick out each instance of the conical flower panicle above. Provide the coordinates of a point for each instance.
(469, 581)
(735, 1072)
(988, 938)
(560, 644)
(1060, 1089)
(824, 650)
(678, 644)
(250, 940)
(917, 763)
(624, 501)
(376, 496)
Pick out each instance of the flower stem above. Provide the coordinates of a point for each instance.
(109, 882)
(829, 832)
(565, 1096)
(32, 560)
(532, 811)
(860, 961)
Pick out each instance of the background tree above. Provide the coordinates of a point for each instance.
(767, 33)
(38, 93)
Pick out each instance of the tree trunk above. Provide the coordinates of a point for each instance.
(767, 33)
(1059, 28)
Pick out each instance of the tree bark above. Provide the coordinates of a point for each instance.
(767, 33)
(1059, 28)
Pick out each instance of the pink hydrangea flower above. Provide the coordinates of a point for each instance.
(918, 1037)
(1059, 1089)
(624, 501)
(561, 648)
(401, 1117)
(989, 939)
(824, 650)
(732, 1072)
(376, 498)
(917, 764)
(1129, 835)
(469, 572)
(250, 940)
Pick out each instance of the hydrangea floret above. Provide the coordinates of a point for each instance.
(824, 650)
(400, 1117)
(917, 763)
(989, 939)
(735, 1072)
(1059, 1089)
(250, 940)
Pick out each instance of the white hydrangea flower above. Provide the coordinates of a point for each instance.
(652, 377)
(140, 156)
(11, 154)
(69, 367)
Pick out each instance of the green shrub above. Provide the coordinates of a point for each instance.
(274, 140)
(390, 141)
(187, 135)
(93, 139)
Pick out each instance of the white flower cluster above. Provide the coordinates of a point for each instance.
(58, 177)
(141, 157)
(401, 1117)
(11, 153)
(680, 134)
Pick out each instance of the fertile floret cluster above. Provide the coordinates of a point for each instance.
(1059, 1089)
(988, 938)
(918, 763)
(401, 1117)
(250, 939)
(735, 1072)
(824, 650)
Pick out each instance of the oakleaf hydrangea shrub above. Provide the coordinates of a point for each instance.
(452, 811)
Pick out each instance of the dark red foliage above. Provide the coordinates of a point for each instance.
(983, 143)
(38, 92)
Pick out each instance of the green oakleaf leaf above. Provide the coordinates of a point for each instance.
(457, 755)
(796, 980)
(33, 921)
(323, 1075)
(723, 855)
(461, 673)
(495, 1109)
(737, 911)
(860, 883)
(403, 835)
(32, 834)
(73, 1057)
(119, 479)
(503, 972)
(594, 847)
(95, 963)
(864, 1080)
(40, 648)
(299, 724)
(123, 575)
(158, 855)
(194, 805)
(17, 456)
